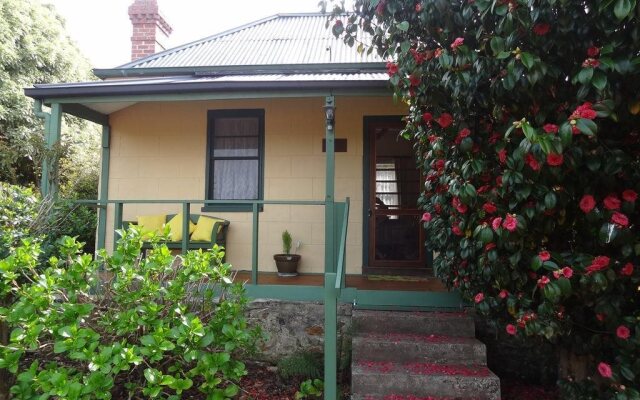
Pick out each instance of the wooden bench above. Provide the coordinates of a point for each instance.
(218, 234)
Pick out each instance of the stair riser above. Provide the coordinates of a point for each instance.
(405, 352)
(414, 324)
(456, 386)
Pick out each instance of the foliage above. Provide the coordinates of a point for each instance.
(34, 48)
(526, 114)
(301, 365)
(18, 212)
(310, 388)
(286, 242)
(157, 325)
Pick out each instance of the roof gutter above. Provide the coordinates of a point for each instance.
(324, 68)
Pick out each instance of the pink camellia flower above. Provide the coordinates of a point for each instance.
(479, 298)
(550, 128)
(426, 217)
(414, 80)
(392, 68)
(605, 370)
(623, 332)
(629, 195)
(599, 263)
(444, 120)
(457, 204)
(554, 159)
(427, 117)
(544, 256)
(504, 293)
(584, 111)
(591, 63)
(489, 246)
(593, 51)
(612, 202)
(418, 7)
(587, 203)
(541, 29)
(510, 223)
(567, 272)
(511, 329)
(557, 274)
(502, 156)
(495, 224)
(532, 162)
(489, 207)
(627, 270)
(456, 230)
(457, 43)
(620, 219)
(543, 281)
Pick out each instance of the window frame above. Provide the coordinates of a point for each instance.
(212, 115)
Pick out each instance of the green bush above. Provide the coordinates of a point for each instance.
(151, 327)
(305, 365)
(19, 208)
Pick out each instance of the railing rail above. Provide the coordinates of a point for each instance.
(341, 271)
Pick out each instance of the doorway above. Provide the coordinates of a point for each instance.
(394, 237)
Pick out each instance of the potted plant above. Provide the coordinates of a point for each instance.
(287, 263)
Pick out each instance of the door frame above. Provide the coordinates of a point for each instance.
(366, 178)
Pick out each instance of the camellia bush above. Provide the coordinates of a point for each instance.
(526, 117)
(124, 326)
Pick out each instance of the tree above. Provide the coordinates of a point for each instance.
(526, 115)
(34, 48)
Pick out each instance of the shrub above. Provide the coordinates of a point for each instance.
(305, 365)
(124, 325)
(526, 115)
(18, 213)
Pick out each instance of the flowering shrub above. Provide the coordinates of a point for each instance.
(122, 326)
(527, 119)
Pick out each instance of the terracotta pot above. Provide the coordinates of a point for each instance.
(287, 264)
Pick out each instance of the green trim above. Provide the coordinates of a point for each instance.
(87, 113)
(233, 113)
(117, 222)
(104, 186)
(341, 68)
(329, 213)
(218, 95)
(394, 299)
(330, 337)
(285, 292)
(254, 244)
(229, 208)
(45, 116)
(55, 129)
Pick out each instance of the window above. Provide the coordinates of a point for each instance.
(235, 152)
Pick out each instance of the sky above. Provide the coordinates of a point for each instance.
(102, 30)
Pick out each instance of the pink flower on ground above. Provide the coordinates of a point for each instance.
(544, 256)
(511, 329)
(620, 219)
(623, 332)
(510, 223)
(605, 370)
(495, 224)
(629, 195)
(426, 217)
(627, 270)
(587, 203)
(612, 202)
(479, 298)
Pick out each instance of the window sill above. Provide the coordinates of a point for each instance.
(231, 208)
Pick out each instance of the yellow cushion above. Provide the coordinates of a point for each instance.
(151, 224)
(175, 224)
(204, 228)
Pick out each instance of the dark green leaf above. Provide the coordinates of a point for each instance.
(587, 126)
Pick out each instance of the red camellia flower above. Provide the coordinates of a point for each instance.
(593, 51)
(414, 80)
(504, 293)
(457, 43)
(605, 370)
(532, 162)
(444, 120)
(502, 156)
(439, 164)
(554, 159)
(550, 128)
(426, 217)
(620, 219)
(623, 332)
(418, 7)
(392, 68)
(489, 246)
(567, 272)
(543, 281)
(629, 195)
(456, 230)
(457, 204)
(479, 298)
(510, 223)
(599, 263)
(591, 63)
(427, 117)
(489, 207)
(587, 203)
(511, 329)
(544, 256)
(584, 111)
(627, 270)
(495, 224)
(612, 202)
(541, 29)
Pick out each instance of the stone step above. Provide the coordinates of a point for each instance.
(423, 379)
(430, 323)
(407, 397)
(435, 349)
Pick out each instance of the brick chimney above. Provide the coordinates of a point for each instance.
(150, 29)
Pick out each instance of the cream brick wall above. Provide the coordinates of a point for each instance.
(158, 152)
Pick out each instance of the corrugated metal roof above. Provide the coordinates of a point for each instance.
(278, 40)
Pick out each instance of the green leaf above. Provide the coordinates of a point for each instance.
(627, 373)
(587, 126)
(585, 75)
(527, 59)
(599, 80)
(503, 54)
(550, 200)
(622, 9)
(497, 45)
(536, 263)
(403, 26)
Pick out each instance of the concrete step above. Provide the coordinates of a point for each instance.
(402, 347)
(407, 397)
(430, 323)
(423, 380)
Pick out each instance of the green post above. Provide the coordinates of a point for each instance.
(329, 214)
(186, 217)
(44, 180)
(330, 337)
(117, 221)
(254, 245)
(55, 127)
(104, 187)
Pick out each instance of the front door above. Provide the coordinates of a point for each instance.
(395, 235)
